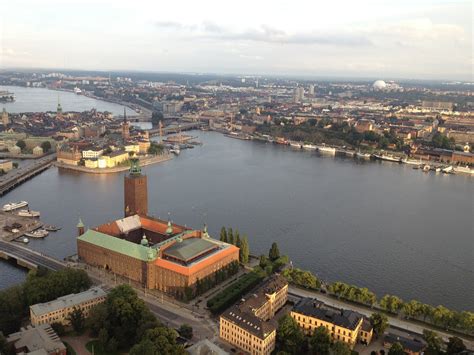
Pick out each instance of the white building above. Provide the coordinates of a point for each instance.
(92, 153)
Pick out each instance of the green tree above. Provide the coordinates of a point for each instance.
(340, 348)
(412, 309)
(455, 346)
(237, 241)
(230, 236)
(442, 316)
(46, 146)
(223, 235)
(391, 303)
(159, 340)
(103, 337)
(379, 322)
(155, 149)
(77, 319)
(263, 261)
(244, 250)
(433, 341)
(58, 328)
(21, 143)
(396, 349)
(186, 331)
(274, 253)
(320, 341)
(289, 335)
(3, 344)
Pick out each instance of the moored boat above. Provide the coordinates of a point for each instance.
(28, 213)
(37, 234)
(309, 146)
(51, 228)
(388, 157)
(448, 169)
(362, 155)
(14, 206)
(295, 144)
(464, 170)
(326, 150)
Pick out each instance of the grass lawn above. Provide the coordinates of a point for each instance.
(98, 350)
(69, 349)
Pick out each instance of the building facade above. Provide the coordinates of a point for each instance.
(343, 325)
(249, 325)
(58, 311)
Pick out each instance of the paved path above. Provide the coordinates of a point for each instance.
(78, 343)
(393, 321)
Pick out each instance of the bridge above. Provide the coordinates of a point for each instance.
(175, 129)
(28, 258)
(18, 176)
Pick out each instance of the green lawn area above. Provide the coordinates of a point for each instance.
(98, 350)
(69, 349)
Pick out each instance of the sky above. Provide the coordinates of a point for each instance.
(402, 39)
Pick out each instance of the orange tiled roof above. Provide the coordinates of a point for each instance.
(159, 226)
(198, 266)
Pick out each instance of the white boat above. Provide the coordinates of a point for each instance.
(426, 168)
(25, 240)
(362, 155)
(387, 157)
(464, 170)
(295, 145)
(77, 91)
(438, 169)
(38, 234)
(411, 161)
(448, 169)
(28, 213)
(310, 146)
(175, 150)
(327, 150)
(14, 206)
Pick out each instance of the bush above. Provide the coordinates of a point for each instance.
(233, 292)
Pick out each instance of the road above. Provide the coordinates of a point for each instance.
(31, 256)
(393, 321)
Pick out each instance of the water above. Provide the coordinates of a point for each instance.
(42, 100)
(380, 225)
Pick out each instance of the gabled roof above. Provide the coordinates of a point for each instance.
(118, 245)
(189, 248)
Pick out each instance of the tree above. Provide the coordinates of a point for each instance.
(396, 349)
(186, 331)
(230, 236)
(274, 253)
(455, 346)
(320, 341)
(237, 241)
(434, 342)
(340, 348)
(244, 250)
(103, 337)
(77, 319)
(442, 316)
(379, 322)
(155, 149)
(58, 328)
(263, 261)
(391, 303)
(412, 309)
(289, 335)
(159, 340)
(3, 344)
(223, 235)
(21, 143)
(46, 146)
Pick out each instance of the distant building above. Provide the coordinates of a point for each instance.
(311, 90)
(92, 153)
(411, 346)
(57, 311)
(38, 150)
(38, 340)
(249, 325)
(364, 125)
(5, 118)
(14, 149)
(343, 325)
(135, 192)
(125, 126)
(298, 94)
(437, 105)
(69, 155)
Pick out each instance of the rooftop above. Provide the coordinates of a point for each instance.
(190, 248)
(412, 344)
(67, 301)
(313, 308)
(249, 322)
(41, 339)
(256, 300)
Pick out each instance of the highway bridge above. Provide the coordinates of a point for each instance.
(28, 258)
(23, 173)
(176, 128)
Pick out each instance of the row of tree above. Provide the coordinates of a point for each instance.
(40, 286)
(233, 237)
(46, 145)
(302, 278)
(353, 293)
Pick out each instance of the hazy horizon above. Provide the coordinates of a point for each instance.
(410, 40)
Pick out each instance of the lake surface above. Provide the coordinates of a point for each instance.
(42, 100)
(380, 225)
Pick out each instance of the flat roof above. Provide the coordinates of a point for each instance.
(67, 301)
(189, 248)
(38, 340)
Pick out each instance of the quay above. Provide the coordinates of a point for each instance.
(27, 224)
(21, 174)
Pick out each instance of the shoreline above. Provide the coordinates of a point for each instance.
(118, 169)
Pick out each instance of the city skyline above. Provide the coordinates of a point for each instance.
(390, 40)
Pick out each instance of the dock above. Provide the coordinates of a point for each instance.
(28, 224)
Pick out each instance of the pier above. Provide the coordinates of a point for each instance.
(21, 174)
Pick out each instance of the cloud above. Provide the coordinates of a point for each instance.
(266, 34)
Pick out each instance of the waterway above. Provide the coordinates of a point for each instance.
(380, 225)
(43, 100)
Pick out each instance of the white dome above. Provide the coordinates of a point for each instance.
(379, 85)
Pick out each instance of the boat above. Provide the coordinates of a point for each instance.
(28, 213)
(295, 144)
(310, 146)
(437, 169)
(463, 169)
(175, 150)
(51, 228)
(77, 91)
(426, 168)
(362, 155)
(448, 170)
(388, 157)
(25, 240)
(325, 149)
(37, 234)
(14, 206)
(411, 161)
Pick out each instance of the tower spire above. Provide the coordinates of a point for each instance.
(124, 115)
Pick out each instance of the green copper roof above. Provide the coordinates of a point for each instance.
(189, 248)
(80, 224)
(118, 245)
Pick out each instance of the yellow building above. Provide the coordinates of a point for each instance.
(58, 311)
(248, 325)
(91, 163)
(343, 325)
(144, 146)
(135, 148)
(6, 165)
(113, 159)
